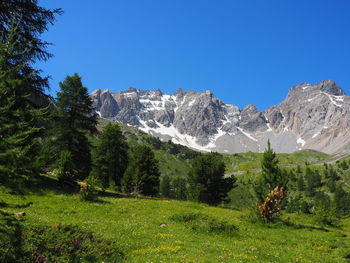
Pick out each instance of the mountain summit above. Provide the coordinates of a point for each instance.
(311, 117)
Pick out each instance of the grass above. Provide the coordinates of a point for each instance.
(154, 230)
(251, 161)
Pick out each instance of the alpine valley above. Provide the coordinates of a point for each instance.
(311, 117)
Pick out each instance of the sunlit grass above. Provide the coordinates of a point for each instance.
(145, 231)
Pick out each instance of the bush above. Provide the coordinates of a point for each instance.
(204, 223)
(54, 244)
(61, 244)
(325, 216)
(270, 208)
(88, 191)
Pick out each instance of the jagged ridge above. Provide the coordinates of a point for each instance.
(311, 117)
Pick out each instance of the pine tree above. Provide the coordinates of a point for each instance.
(342, 201)
(31, 22)
(110, 156)
(142, 175)
(73, 119)
(271, 173)
(165, 186)
(271, 177)
(206, 180)
(301, 183)
(179, 188)
(19, 117)
(313, 180)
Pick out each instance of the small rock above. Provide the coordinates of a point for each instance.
(162, 225)
(20, 214)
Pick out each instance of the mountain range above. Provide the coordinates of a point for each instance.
(310, 117)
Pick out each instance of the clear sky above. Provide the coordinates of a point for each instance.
(244, 51)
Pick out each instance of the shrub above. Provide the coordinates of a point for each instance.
(88, 191)
(61, 244)
(324, 216)
(270, 208)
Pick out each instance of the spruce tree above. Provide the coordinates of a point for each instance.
(165, 186)
(301, 183)
(342, 201)
(73, 120)
(271, 173)
(19, 117)
(206, 180)
(31, 22)
(110, 155)
(142, 175)
(271, 176)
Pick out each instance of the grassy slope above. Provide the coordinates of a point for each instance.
(136, 225)
(252, 161)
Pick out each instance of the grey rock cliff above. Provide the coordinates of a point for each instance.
(311, 117)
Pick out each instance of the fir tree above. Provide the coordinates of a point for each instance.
(19, 117)
(179, 188)
(110, 156)
(73, 119)
(31, 22)
(165, 186)
(142, 175)
(271, 173)
(206, 180)
(271, 176)
(342, 201)
(301, 183)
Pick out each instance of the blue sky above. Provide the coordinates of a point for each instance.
(245, 51)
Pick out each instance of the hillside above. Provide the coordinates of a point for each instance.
(155, 230)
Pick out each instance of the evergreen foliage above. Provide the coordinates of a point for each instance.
(342, 201)
(19, 118)
(142, 175)
(165, 186)
(73, 119)
(110, 156)
(31, 22)
(271, 176)
(206, 180)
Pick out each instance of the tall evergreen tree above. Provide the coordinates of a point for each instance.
(342, 201)
(206, 179)
(165, 186)
(32, 21)
(19, 118)
(142, 175)
(271, 173)
(271, 176)
(110, 156)
(301, 183)
(73, 119)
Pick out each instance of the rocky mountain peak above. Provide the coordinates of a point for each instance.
(311, 117)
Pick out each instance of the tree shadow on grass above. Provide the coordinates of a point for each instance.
(41, 184)
(300, 226)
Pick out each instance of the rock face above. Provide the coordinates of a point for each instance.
(311, 117)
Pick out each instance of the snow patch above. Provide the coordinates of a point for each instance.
(268, 127)
(99, 114)
(177, 137)
(247, 134)
(334, 99)
(301, 141)
(192, 102)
